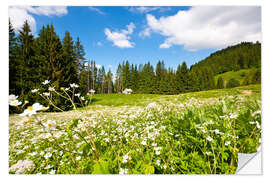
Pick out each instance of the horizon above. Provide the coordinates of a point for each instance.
(146, 34)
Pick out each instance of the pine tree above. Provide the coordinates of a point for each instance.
(13, 61)
(110, 82)
(26, 68)
(220, 83)
(70, 64)
(118, 79)
(79, 51)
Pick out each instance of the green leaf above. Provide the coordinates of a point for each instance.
(149, 169)
(101, 167)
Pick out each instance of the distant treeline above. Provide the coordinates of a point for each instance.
(35, 59)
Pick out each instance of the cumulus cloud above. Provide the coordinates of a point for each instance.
(97, 10)
(147, 9)
(121, 38)
(207, 27)
(19, 14)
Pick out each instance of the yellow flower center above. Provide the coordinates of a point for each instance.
(50, 124)
(15, 103)
(30, 108)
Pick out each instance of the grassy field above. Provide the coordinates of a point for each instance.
(116, 100)
(239, 75)
(192, 133)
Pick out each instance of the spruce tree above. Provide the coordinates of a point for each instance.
(70, 63)
(220, 83)
(27, 66)
(13, 61)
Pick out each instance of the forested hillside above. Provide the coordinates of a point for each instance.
(233, 58)
(35, 59)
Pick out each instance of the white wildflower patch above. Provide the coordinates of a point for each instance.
(46, 82)
(126, 157)
(74, 85)
(15, 102)
(21, 167)
(50, 125)
(34, 90)
(208, 138)
(227, 143)
(123, 171)
(31, 110)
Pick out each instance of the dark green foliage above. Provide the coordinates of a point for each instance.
(256, 78)
(33, 60)
(232, 83)
(241, 56)
(220, 83)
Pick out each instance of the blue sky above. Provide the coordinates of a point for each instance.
(156, 33)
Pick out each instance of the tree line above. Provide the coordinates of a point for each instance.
(35, 59)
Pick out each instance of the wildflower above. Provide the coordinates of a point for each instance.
(33, 153)
(125, 158)
(143, 142)
(62, 88)
(255, 113)
(48, 166)
(48, 155)
(151, 105)
(52, 171)
(77, 94)
(82, 98)
(34, 90)
(51, 89)
(67, 89)
(12, 97)
(227, 143)
(106, 139)
(233, 116)
(258, 125)
(158, 162)
(207, 153)
(32, 109)
(92, 91)
(164, 167)
(154, 144)
(157, 150)
(218, 132)
(46, 82)
(15, 103)
(73, 85)
(123, 171)
(252, 122)
(209, 139)
(22, 167)
(78, 158)
(46, 94)
(50, 125)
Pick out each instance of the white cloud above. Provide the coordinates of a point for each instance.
(97, 10)
(145, 33)
(147, 9)
(207, 27)
(19, 14)
(97, 65)
(99, 43)
(121, 39)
